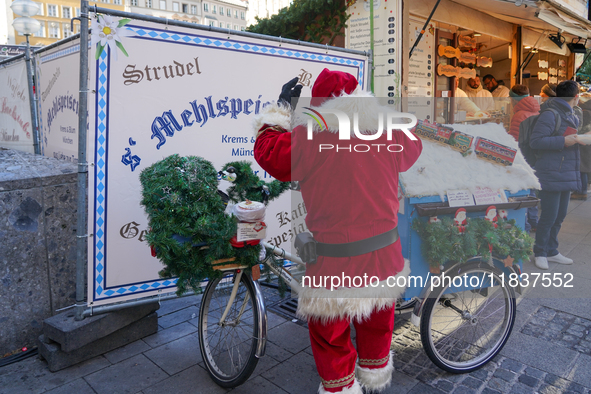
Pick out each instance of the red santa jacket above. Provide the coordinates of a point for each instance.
(349, 195)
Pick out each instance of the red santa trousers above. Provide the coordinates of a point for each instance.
(336, 356)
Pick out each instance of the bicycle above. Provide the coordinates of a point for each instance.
(462, 327)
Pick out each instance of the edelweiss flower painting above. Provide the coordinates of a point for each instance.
(107, 30)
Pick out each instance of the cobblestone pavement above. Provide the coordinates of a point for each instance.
(549, 351)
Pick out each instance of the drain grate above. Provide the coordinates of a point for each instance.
(287, 309)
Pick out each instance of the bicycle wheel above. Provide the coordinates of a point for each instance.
(228, 347)
(464, 325)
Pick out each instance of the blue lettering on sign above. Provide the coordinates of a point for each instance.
(164, 123)
(131, 160)
(199, 113)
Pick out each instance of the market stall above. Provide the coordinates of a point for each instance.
(454, 179)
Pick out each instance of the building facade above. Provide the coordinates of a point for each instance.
(264, 9)
(226, 14)
(180, 10)
(55, 18)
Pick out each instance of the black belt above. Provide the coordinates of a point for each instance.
(357, 248)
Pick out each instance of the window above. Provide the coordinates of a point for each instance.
(194, 9)
(221, 11)
(228, 25)
(235, 13)
(185, 8)
(41, 32)
(134, 3)
(242, 28)
(54, 30)
(175, 6)
(66, 12)
(105, 1)
(206, 7)
(40, 8)
(117, 2)
(77, 12)
(221, 24)
(162, 4)
(228, 12)
(148, 3)
(242, 15)
(213, 9)
(51, 10)
(67, 31)
(235, 27)
(211, 23)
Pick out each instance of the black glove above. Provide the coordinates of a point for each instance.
(290, 91)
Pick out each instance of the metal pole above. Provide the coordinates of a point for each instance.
(371, 43)
(81, 228)
(32, 97)
(424, 27)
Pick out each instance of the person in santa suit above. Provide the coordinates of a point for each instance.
(351, 200)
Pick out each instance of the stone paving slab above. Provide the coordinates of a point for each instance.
(33, 376)
(258, 385)
(191, 314)
(129, 376)
(194, 380)
(170, 334)
(290, 336)
(127, 351)
(177, 355)
(296, 375)
(78, 386)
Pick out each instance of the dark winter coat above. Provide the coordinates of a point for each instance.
(585, 150)
(558, 167)
(526, 107)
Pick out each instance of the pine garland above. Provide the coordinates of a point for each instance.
(248, 186)
(186, 213)
(442, 242)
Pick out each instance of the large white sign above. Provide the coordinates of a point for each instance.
(16, 131)
(58, 73)
(185, 91)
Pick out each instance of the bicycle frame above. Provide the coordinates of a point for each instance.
(259, 303)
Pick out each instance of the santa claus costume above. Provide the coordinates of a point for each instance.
(350, 196)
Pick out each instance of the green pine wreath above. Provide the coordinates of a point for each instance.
(188, 227)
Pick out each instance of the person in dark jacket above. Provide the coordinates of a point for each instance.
(557, 168)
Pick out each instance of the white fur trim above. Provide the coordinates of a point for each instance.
(355, 389)
(359, 102)
(375, 379)
(350, 303)
(273, 115)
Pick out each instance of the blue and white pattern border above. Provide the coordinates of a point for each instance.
(239, 46)
(100, 289)
(58, 54)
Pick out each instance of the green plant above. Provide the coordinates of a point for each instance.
(442, 242)
(320, 21)
(188, 227)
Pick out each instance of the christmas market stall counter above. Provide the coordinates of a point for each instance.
(457, 203)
